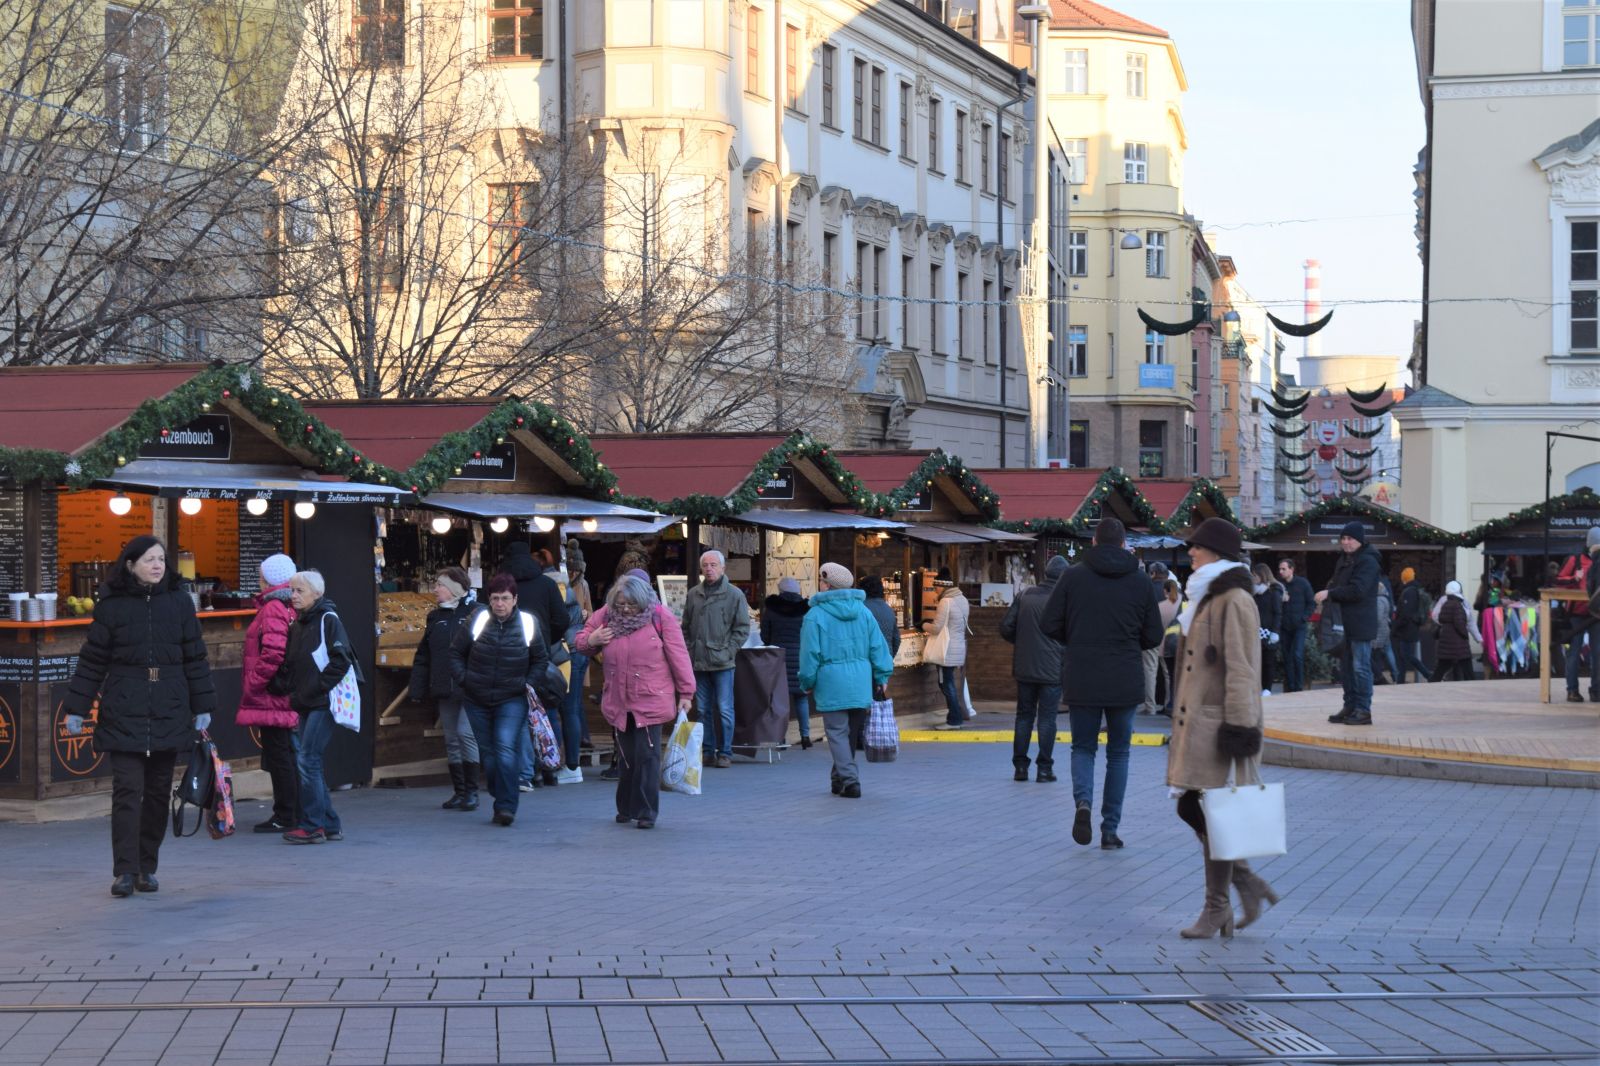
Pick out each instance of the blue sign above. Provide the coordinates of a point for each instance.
(1157, 376)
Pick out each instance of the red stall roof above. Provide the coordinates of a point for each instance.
(670, 466)
(1031, 495)
(68, 408)
(397, 433)
(1165, 494)
(882, 471)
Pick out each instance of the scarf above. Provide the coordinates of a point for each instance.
(623, 624)
(1195, 590)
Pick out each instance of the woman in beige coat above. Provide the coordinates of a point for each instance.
(1216, 723)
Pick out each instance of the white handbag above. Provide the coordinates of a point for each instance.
(344, 702)
(1245, 821)
(936, 647)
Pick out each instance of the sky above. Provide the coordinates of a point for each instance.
(1306, 109)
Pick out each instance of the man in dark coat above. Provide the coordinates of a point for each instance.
(1036, 664)
(781, 618)
(1104, 612)
(537, 592)
(1411, 613)
(1355, 589)
(1298, 607)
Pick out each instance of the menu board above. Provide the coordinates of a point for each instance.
(12, 534)
(49, 539)
(259, 537)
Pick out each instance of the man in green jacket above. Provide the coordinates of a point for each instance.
(716, 621)
(844, 665)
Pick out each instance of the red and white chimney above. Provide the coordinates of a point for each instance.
(1313, 305)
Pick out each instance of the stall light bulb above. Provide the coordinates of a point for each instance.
(189, 506)
(543, 524)
(304, 510)
(120, 504)
(500, 525)
(683, 527)
(256, 506)
(441, 526)
(591, 524)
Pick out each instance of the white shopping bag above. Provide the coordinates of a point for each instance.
(1245, 821)
(345, 700)
(680, 762)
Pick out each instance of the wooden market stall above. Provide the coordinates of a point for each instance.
(226, 471)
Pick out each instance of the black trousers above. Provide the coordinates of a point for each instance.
(278, 760)
(639, 771)
(1460, 668)
(1190, 811)
(141, 787)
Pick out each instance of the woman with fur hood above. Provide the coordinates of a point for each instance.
(1216, 722)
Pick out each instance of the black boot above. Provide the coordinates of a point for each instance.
(469, 786)
(456, 797)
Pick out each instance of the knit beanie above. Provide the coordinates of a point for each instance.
(277, 570)
(835, 576)
(1056, 566)
(789, 584)
(1355, 531)
(1592, 541)
(1407, 576)
(640, 574)
(455, 588)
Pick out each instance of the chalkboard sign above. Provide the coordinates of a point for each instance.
(49, 540)
(259, 537)
(13, 576)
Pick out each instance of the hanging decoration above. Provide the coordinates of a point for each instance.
(1282, 413)
(1368, 454)
(1367, 397)
(1114, 480)
(1350, 430)
(1291, 404)
(1175, 329)
(1299, 477)
(1290, 433)
(1299, 331)
(1326, 452)
(1300, 458)
(1371, 412)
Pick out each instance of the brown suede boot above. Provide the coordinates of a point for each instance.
(1252, 890)
(1218, 913)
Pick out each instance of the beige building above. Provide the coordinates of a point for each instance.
(1510, 203)
(1114, 87)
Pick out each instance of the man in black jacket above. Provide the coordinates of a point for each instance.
(1355, 589)
(1410, 615)
(537, 592)
(1036, 664)
(1104, 612)
(1298, 608)
(494, 658)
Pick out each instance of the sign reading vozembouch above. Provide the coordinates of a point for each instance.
(208, 438)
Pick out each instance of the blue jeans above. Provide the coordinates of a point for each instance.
(1356, 676)
(316, 809)
(956, 714)
(1041, 703)
(1411, 661)
(1294, 659)
(713, 699)
(800, 703)
(1382, 654)
(1086, 742)
(569, 727)
(526, 769)
(497, 729)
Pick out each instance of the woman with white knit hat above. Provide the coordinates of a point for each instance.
(265, 644)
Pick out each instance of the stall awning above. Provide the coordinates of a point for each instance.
(528, 505)
(940, 533)
(803, 521)
(1562, 542)
(240, 481)
(619, 526)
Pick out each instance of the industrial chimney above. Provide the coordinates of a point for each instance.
(1313, 305)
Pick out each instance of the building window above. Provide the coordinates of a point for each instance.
(905, 119)
(752, 51)
(961, 313)
(793, 87)
(1136, 75)
(1077, 71)
(1077, 353)
(985, 138)
(380, 30)
(1078, 443)
(869, 278)
(1135, 163)
(1193, 436)
(793, 246)
(858, 100)
(1152, 449)
(907, 335)
(516, 29)
(382, 241)
(961, 145)
(1111, 354)
(1003, 172)
(935, 290)
(139, 332)
(1580, 34)
(1155, 347)
(510, 213)
(1194, 369)
(1585, 286)
(830, 71)
(136, 76)
(933, 136)
(987, 321)
(876, 130)
(1078, 253)
(1155, 254)
(1077, 153)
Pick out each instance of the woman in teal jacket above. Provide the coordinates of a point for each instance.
(844, 664)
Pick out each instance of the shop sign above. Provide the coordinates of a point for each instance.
(1579, 521)
(780, 486)
(1333, 525)
(10, 765)
(347, 497)
(73, 757)
(922, 501)
(1157, 376)
(16, 668)
(499, 463)
(208, 438)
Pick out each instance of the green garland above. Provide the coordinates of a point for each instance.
(1356, 505)
(451, 452)
(937, 463)
(1113, 480)
(1583, 499)
(700, 507)
(1206, 491)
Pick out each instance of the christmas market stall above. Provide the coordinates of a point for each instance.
(226, 471)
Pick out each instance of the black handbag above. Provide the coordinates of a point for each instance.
(197, 788)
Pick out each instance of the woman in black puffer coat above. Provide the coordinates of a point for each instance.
(1269, 597)
(145, 662)
(430, 676)
(781, 618)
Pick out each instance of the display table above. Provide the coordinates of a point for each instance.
(760, 700)
(1547, 597)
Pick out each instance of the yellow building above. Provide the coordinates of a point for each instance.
(1114, 87)
(1509, 208)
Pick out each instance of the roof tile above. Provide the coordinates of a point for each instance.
(1088, 15)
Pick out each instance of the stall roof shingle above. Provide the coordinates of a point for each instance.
(670, 466)
(1034, 495)
(882, 471)
(1165, 494)
(397, 433)
(68, 408)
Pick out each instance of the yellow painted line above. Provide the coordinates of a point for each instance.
(1378, 747)
(990, 736)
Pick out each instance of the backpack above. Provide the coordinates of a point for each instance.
(1424, 608)
(207, 785)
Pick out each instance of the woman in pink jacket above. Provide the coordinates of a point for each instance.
(649, 679)
(265, 644)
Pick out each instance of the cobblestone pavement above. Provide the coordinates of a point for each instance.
(945, 916)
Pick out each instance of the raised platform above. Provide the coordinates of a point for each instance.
(1493, 732)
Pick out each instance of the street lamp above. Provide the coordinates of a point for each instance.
(1132, 242)
(1037, 325)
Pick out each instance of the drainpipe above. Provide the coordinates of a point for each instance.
(1000, 240)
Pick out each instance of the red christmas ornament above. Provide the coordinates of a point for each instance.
(569, 442)
(358, 460)
(759, 490)
(413, 488)
(309, 429)
(519, 420)
(166, 432)
(226, 394)
(477, 455)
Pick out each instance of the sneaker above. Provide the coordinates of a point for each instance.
(304, 836)
(610, 773)
(573, 776)
(724, 761)
(1338, 719)
(946, 727)
(332, 834)
(272, 825)
(645, 823)
(527, 786)
(1045, 776)
(624, 819)
(1265, 693)
(1081, 831)
(1363, 718)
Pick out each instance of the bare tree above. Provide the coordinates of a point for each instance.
(426, 222)
(132, 142)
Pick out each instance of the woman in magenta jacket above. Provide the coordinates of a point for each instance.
(648, 680)
(265, 644)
